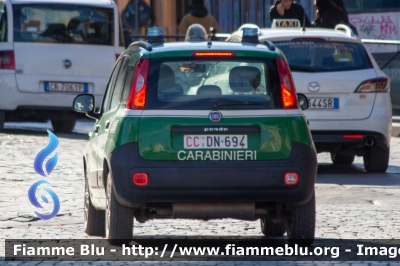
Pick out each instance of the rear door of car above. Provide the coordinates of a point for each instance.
(329, 73)
(225, 114)
(101, 133)
(63, 47)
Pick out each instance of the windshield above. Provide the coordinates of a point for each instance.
(324, 56)
(63, 24)
(208, 84)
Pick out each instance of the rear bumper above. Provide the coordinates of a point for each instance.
(213, 181)
(37, 98)
(328, 134)
(332, 141)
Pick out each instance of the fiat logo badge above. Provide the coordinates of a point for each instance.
(313, 86)
(67, 63)
(215, 116)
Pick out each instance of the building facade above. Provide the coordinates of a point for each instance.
(229, 13)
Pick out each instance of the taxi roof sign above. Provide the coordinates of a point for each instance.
(285, 23)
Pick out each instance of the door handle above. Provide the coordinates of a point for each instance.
(107, 124)
(96, 128)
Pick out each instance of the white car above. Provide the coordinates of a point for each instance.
(52, 50)
(350, 108)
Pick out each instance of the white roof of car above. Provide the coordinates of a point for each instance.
(284, 33)
(288, 33)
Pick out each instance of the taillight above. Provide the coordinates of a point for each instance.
(213, 54)
(140, 179)
(116, 56)
(291, 178)
(289, 97)
(137, 97)
(374, 85)
(356, 136)
(7, 60)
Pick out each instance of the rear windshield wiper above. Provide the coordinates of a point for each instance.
(301, 68)
(235, 103)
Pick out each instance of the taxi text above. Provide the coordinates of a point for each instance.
(217, 155)
(287, 23)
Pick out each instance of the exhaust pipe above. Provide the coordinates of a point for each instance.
(369, 142)
(153, 212)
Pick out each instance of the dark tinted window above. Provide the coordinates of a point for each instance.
(116, 97)
(3, 23)
(310, 56)
(121, 34)
(52, 23)
(110, 87)
(233, 84)
(128, 84)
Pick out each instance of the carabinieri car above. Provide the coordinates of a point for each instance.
(200, 130)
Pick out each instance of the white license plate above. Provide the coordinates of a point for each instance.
(215, 141)
(323, 103)
(65, 87)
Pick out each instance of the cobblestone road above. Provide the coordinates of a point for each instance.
(351, 204)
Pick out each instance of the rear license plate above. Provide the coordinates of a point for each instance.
(215, 141)
(65, 87)
(323, 103)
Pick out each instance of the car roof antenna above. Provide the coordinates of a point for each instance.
(304, 23)
(210, 35)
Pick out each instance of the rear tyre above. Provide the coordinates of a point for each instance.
(300, 225)
(272, 227)
(2, 120)
(119, 219)
(64, 123)
(94, 219)
(377, 159)
(342, 159)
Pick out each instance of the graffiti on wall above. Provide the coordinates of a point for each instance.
(383, 26)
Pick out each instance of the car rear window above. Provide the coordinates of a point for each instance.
(59, 23)
(324, 56)
(238, 84)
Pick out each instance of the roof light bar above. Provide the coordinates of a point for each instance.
(155, 35)
(154, 32)
(250, 35)
(250, 31)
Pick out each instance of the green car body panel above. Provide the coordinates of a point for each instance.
(272, 143)
(270, 169)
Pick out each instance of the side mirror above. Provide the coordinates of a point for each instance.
(303, 101)
(84, 103)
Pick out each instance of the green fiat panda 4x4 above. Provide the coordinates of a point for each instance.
(200, 130)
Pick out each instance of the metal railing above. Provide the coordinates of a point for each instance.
(177, 37)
